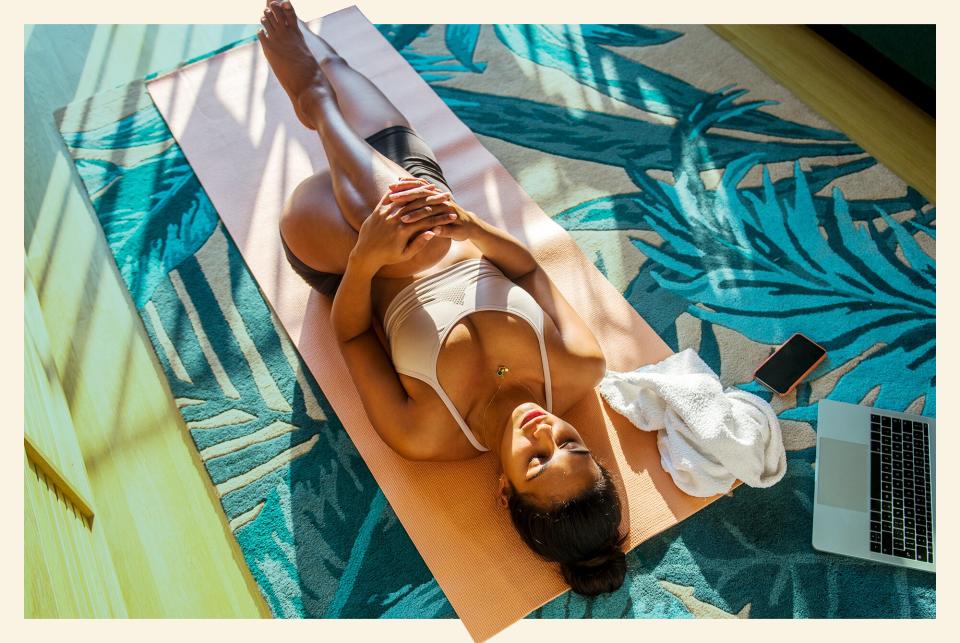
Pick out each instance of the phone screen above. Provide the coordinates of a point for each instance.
(789, 363)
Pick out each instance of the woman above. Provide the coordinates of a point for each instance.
(463, 306)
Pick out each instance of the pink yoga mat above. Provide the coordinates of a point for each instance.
(239, 132)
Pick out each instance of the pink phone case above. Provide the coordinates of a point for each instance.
(799, 379)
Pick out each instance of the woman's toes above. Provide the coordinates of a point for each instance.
(267, 25)
(278, 13)
(289, 12)
(272, 17)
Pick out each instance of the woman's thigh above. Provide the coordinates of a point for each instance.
(317, 233)
(314, 227)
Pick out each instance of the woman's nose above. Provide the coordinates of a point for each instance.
(543, 432)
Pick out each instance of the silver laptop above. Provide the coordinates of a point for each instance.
(874, 493)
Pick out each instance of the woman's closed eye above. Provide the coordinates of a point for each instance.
(566, 444)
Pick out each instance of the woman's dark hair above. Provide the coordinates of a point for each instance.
(582, 534)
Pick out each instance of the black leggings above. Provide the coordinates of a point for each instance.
(401, 145)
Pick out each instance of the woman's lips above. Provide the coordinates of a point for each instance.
(530, 415)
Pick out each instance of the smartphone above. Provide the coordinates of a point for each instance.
(789, 364)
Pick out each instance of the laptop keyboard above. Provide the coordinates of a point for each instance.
(901, 523)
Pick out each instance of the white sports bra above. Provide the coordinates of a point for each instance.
(422, 314)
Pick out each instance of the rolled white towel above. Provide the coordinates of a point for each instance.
(708, 437)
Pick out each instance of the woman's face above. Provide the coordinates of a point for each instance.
(544, 456)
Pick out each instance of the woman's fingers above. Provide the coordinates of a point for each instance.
(436, 201)
(418, 243)
(414, 200)
(409, 192)
(392, 209)
(435, 220)
(415, 214)
(386, 206)
(406, 182)
(416, 193)
(437, 198)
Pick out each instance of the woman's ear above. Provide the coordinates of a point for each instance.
(503, 490)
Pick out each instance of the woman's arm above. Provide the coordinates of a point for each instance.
(393, 413)
(384, 239)
(351, 313)
(384, 399)
(503, 249)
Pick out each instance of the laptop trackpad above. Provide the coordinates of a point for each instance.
(842, 470)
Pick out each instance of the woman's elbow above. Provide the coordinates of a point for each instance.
(596, 368)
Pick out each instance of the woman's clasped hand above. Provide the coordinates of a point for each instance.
(407, 217)
(458, 224)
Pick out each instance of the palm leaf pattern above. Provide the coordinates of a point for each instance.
(733, 256)
(745, 265)
(758, 263)
(153, 212)
(583, 54)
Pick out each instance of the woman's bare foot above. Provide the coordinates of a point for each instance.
(321, 48)
(289, 56)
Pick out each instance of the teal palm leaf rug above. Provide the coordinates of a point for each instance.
(726, 212)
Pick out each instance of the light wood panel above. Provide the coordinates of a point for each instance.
(71, 573)
(884, 123)
(49, 438)
(69, 569)
(166, 536)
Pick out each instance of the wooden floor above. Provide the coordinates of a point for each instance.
(157, 521)
(162, 539)
(883, 122)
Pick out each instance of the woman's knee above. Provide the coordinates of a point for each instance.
(313, 226)
(333, 60)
